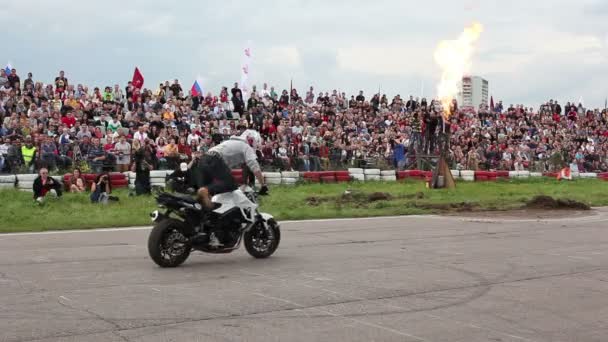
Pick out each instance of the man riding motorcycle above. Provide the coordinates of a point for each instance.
(212, 173)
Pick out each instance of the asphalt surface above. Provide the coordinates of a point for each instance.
(391, 279)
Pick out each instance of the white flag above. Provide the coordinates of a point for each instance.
(246, 70)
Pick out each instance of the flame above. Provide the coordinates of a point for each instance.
(454, 59)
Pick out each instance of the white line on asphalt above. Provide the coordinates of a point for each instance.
(598, 217)
(157, 290)
(150, 227)
(362, 322)
(578, 257)
(53, 232)
(65, 298)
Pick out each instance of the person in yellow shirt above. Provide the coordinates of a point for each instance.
(171, 153)
(29, 153)
(72, 102)
(168, 115)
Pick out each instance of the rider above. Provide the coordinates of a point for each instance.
(212, 174)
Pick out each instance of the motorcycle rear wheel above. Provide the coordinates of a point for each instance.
(167, 245)
(261, 242)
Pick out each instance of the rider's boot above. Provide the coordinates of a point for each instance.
(214, 241)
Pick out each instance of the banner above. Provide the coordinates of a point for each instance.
(246, 70)
(196, 89)
(138, 79)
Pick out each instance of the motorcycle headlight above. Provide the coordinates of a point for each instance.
(154, 215)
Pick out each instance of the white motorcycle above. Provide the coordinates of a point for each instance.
(185, 225)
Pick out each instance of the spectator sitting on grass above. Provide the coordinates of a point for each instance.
(101, 189)
(180, 180)
(44, 185)
(77, 183)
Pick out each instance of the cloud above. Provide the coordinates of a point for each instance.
(386, 59)
(281, 56)
(529, 50)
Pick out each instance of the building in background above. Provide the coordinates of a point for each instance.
(473, 91)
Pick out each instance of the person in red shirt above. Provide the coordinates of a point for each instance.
(184, 149)
(109, 146)
(224, 95)
(69, 120)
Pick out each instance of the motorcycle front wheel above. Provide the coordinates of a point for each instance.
(167, 245)
(262, 240)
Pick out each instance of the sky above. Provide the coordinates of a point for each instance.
(530, 50)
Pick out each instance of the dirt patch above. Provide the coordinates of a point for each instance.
(449, 207)
(418, 195)
(354, 198)
(314, 201)
(379, 196)
(550, 203)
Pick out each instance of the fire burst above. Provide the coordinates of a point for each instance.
(454, 59)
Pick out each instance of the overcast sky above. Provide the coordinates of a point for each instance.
(530, 50)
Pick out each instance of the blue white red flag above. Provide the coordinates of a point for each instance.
(196, 89)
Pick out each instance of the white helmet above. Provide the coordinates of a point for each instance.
(252, 137)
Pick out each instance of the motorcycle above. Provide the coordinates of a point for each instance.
(185, 226)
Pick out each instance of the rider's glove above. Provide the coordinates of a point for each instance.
(263, 190)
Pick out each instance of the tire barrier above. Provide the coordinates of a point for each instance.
(8, 182)
(24, 182)
(467, 175)
(388, 178)
(358, 177)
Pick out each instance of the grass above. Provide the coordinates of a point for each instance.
(18, 212)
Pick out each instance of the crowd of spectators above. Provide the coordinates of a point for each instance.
(61, 125)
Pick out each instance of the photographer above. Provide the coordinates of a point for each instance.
(180, 180)
(101, 189)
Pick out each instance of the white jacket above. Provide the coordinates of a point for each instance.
(236, 152)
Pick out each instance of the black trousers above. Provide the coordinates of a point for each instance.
(213, 173)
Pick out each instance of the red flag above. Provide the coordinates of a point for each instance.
(138, 79)
(492, 103)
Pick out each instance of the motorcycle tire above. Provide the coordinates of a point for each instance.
(254, 233)
(157, 239)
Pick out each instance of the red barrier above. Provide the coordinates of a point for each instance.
(415, 174)
(117, 176)
(551, 174)
(484, 176)
(502, 174)
(316, 175)
(342, 178)
(119, 183)
(328, 179)
(327, 174)
(313, 177)
(342, 174)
